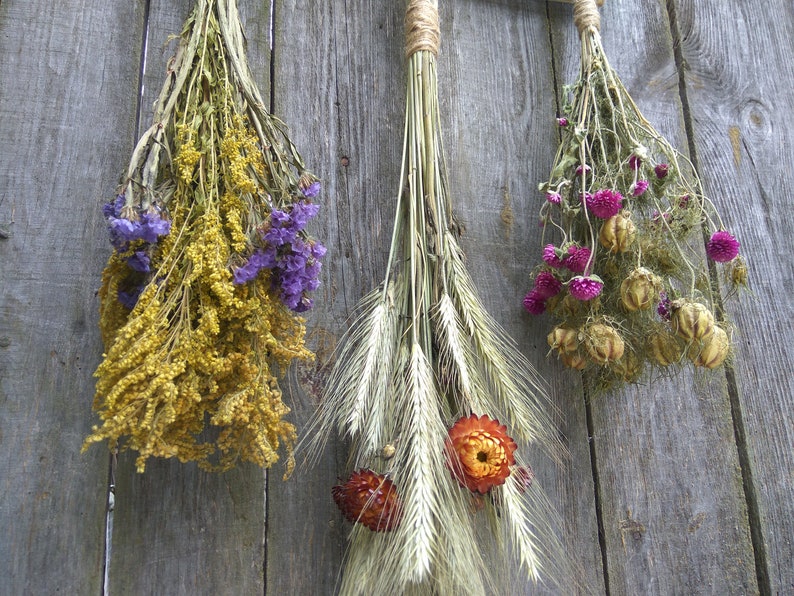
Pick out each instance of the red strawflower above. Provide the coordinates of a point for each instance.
(585, 288)
(370, 499)
(722, 247)
(577, 258)
(479, 453)
(604, 203)
(534, 303)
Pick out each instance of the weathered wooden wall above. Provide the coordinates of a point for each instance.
(677, 486)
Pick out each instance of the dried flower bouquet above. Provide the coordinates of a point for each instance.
(625, 277)
(212, 264)
(435, 399)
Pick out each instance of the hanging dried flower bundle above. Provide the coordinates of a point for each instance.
(212, 264)
(437, 403)
(624, 216)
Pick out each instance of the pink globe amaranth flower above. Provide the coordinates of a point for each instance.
(547, 285)
(661, 170)
(585, 288)
(635, 162)
(577, 258)
(604, 203)
(550, 256)
(582, 168)
(722, 247)
(534, 303)
(562, 121)
(663, 309)
(553, 197)
(639, 188)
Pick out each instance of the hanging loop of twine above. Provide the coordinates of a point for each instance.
(586, 16)
(422, 31)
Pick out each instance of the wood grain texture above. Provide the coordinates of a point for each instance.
(671, 499)
(177, 529)
(738, 83)
(57, 162)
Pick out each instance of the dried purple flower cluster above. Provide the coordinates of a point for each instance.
(292, 258)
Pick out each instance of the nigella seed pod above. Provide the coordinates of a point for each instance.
(640, 290)
(573, 360)
(563, 339)
(665, 349)
(691, 320)
(628, 367)
(603, 343)
(617, 233)
(712, 351)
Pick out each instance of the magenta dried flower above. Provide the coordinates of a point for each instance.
(635, 162)
(604, 203)
(661, 170)
(663, 310)
(562, 121)
(534, 303)
(585, 288)
(550, 256)
(722, 247)
(577, 258)
(639, 188)
(582, 169)
(553, 197)
(547, 285)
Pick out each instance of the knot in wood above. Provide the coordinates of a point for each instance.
(422, 31)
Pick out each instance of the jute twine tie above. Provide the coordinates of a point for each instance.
(422, 31)
(586, 16)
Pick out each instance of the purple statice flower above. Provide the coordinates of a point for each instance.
(534, 303)
(547, 285)
(562, 121)
(123, 231)
(153, 226)
(129, 298)
(260, 259)
(635, 162)
(577, 258)
(113, 208)
(550, 256)
(139, 261)
(553, 197)
(301, 213)
(661, 170)
(278, 236)
(722, 247)
(582, 169)
(312, 190)
(604, 203)
(663, 310)
(585, 288)
(638, 188)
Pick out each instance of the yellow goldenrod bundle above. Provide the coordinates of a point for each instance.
(212, 265)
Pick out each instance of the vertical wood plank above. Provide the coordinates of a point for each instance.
(67, 97)
(177, 529)
(672, 506)
(738, 83)
(343, 97)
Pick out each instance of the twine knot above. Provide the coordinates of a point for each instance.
(586, 16)
(422, 31)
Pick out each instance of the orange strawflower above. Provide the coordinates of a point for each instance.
(479, 452)
(370, 499)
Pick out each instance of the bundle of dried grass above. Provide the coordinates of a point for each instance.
(435, 399)
(625, 275)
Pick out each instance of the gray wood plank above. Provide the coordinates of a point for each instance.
(738, 81)
(672, 505)
(343, 96)
(177, 529)
(67, 98)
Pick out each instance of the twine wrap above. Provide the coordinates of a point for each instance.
(422, 31)
(586, 16)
